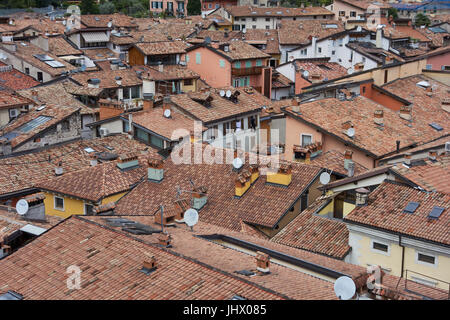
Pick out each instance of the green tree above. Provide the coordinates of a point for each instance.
(106, 8)
(89, 7)
(392, 12)
(194, 7)
(422, 20)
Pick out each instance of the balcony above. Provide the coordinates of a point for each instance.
(246, 71)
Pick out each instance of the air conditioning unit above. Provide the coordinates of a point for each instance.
(13, 113)
(103, 132)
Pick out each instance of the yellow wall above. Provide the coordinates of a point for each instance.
(191, 88)
(72, 206)
(393, 261)
(443, 77)
(348, 207)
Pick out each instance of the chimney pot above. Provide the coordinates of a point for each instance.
(362, 197)
(407, 158)
(378, 117)
(432, 154)
(165, 239)
(59, 169)
(405, 113)
(150, 263)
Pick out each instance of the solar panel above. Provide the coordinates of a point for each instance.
(436, 126)
(11, 295)
(27, 127)
(55, 64)
(436, 213)
(411, 207)
(43, 57)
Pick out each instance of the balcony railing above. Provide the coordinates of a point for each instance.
(246, 71)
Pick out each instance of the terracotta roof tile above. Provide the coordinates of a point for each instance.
(385, 211)
(101, 20)
(108, 78)
(158, 48)
(10, 100)
(321, 70)
(300, 31)
(15, 80)
(60, 47)
(334, 160)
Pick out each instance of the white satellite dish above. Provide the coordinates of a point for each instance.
(350, 70)
(222, 93)
(344, 288)
(167, 113)
(191, 217)
(324, 178)
(351, 132)
(22, 207)
(237, 163)
(306, 73)
(228, 93)
(109, 24)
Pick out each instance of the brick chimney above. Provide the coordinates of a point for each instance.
(148, 104)
(295, 105)
(407, 159)
(199, 197)
(155, 170)
(149, 265)
(254, 170)
(59, 169)
(432, 154)
(405, 112)
(165, 239)
(378, 117)
(283, 176)
(262, 262)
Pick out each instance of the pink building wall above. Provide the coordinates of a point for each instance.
(438, 61)
(295, 128)
(209, 69)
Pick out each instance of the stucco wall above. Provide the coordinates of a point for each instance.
(209, 68)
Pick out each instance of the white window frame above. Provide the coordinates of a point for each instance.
(388, 253)
(54, 203)
(426, 263)
(305, 134)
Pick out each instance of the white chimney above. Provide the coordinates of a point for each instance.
(379, 42)
(59, 169)
(161, 68)
(314, 45)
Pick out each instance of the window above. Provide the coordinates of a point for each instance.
(258, 63)
(306, 139)
(39, 76)
(379, 247)
(445, 68)
(222, 63)
(59, 203)
(254, 27)
(255, 1)
(237, 65)
(209, 6)
(352, 13)
(198, 58)
(429, 66)
(267, 27)
(236, 82)
(426, 259)
(253, 19)
(319, 50)
(157, 142)
(268, 19)
(27, 70)
(135, 92)
(88, 209)
(304, 52)
(333, 52)
(341, 13)
(248, 64)
(65, 125)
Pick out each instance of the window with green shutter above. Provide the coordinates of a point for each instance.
(248, 64)
(258, 63)
(198, 58)
(222, 63)
(187, 58)
(237, 65)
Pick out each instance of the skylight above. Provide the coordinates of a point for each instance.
(436, 212)
(423, 84)
(27, 127)
(330, 26)
(89, 150)
(436, 126)
(411, 207)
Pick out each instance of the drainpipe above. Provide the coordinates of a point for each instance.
(403, 254)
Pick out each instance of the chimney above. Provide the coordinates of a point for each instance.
(164, 239)
(378, 41)
(405, 113)
(126, 162)
(378, 117)
(282, 177)
(149, 265)
(34, 96)
(199, 197)
(362, 197)
(7, 37)
(407, 158)
(155, 170)
(59, 169)
(398, 146)
(432, 154)
(242, 184)
(93, 83)
(93, 160)
(10, 46)
(254, 170)
(148, 104)
(166, 103)
(118, 81)
(262, 262)
(161, 68)
(351, 169)
(314, 44)
(348, 154)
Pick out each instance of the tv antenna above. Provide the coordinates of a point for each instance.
(22, 207)
(344, 288)
(191, 218)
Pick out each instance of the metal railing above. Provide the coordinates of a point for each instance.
(423, 275)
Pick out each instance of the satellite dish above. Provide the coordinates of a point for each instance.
(350, 70)
(351, 132)
(191, 217)
(222, 93)
(167, 113)
(22, 207)
(324, 177)
(237, 163)
(306, 73)
(109, 24)
(344, 288)
(228, 93)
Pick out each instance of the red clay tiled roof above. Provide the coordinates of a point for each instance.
(263, 204)
(246, 11)
(100, 54)
(325, 70)
(330, 114)
(385, 211)
(60, 47)
(24, 171)
(164, 47)
(108, 78)
(9, 100)
(314, 233)
(111, 264)
(97, 182)
(155, 121)
(363, 4)
(16, 80)
(432, 176)
(101, 20)
(170, 72)
(422, 147)
(299, 32)
(334, 160)
(57, 113)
